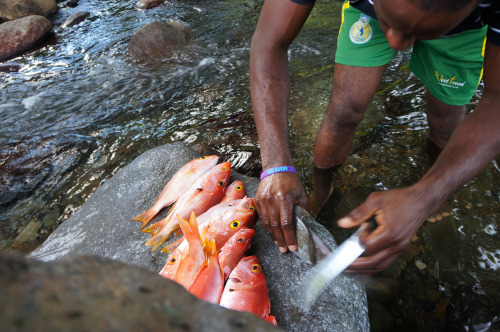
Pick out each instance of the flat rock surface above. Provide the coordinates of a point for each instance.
(103, 227)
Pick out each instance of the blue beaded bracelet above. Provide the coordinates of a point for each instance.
(278, 169)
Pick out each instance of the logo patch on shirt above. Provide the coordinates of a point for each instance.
(361, 31)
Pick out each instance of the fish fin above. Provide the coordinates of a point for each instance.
(156, 241)
(271, 319)
(146, 217)
(153, 229)
(210, 247)
(162, 236)
(169, 248)
(156, 228)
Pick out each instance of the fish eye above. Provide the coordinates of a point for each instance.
(235, 224)
(172, 260)
(223, 168)
(252, 208)
(221, 183)
(240, 239)
(204, 157)
(255, 268)
(238, 188)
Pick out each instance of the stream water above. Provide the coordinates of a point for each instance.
(79, 109)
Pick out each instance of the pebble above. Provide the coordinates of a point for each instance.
(420, 265)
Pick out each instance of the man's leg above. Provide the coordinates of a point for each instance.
(353, 89)
(442, 119)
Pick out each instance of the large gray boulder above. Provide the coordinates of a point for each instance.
(98, 294)
(22, 34)
(14, 9)
(103, 227)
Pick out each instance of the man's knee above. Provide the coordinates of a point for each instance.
(346, 115)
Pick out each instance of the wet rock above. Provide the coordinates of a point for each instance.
(71, 3)
(28, 233)
(103, 227)
(159, 39)
(28, 162)
(146, 4)
(22, 34)
(97, 294)
(10, 67)
(14, 9)
(75, 19)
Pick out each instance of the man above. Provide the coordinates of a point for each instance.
(469, 145)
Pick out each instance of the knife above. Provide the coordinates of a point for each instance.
(330, 267)
(309, 246)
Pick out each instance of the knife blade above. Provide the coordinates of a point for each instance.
(330, 267)
(309, 246)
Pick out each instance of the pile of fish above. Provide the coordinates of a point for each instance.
(216, 221)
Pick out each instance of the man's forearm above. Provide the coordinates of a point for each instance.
(270, 90)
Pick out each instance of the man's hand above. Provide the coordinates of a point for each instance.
(275, 198)
(399, 213)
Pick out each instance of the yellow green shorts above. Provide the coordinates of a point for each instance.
(450, 67)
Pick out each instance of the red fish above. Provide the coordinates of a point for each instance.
(246, 289)
(229, 221)
(209, 283)
(235, 190)
(206, 192)
(194, 258)
(178, 184)
(234, 249)
(240, 213)
(172, 264)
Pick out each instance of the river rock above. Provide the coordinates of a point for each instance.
(103, 227)
(22, 34)
(159, 39)
(75, 19)
(98, 294)
(146, 4)
(14, 9)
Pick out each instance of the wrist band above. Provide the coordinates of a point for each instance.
(278, 169)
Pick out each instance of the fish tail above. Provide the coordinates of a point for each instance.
(146, 217)
(153, 229)
(156, 228)
(169, 248)
(161, 235)
(156, 241)
(189, 228)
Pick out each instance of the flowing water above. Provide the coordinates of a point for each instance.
(79, 109)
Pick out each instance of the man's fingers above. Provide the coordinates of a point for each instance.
(360, 214)
(373, 264)
(288, 225)
(276, 228)
(266, 222)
